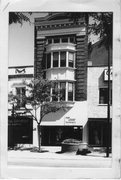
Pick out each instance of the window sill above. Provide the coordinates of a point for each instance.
(104, 104)
(56, 68)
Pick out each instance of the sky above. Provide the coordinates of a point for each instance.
(21, 42)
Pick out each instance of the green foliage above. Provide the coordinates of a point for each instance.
(38, 95)
(18, 17)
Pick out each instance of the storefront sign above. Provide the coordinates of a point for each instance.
(106, 74)
(70, 121)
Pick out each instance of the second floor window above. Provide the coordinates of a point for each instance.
(20, 92)
(63, 91)
(103, 96)
(70, 91)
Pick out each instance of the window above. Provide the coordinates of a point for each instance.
(55, 92)
(55, 59)
(62, 59)
(103, 96)
(63, 91)
(71, 59)
(56, 40)
(72, 40)
(70, 91)
(48, 60)
(58, 59)
(49, 41)
(64, 40)
(20, 92)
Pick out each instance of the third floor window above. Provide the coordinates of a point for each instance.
(60, 59)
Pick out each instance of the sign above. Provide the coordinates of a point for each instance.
(70, 121)
(106, 74)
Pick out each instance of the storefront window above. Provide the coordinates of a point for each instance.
(55, 59)
(62, 59)
(70, 91)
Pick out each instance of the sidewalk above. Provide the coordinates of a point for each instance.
(52, 156)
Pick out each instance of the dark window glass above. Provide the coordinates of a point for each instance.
(72, 40)
(56, 40)
(62, 91)
(62, 59)
(64, 40)
(20, 92)
(70, 91)
(48, 60)
(55, 59)
(71, 59)
(55, 92)
(49, 41)
(103, 96)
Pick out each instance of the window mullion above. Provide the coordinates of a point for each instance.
(59, 60)
(74, 60)
(51, 59)
(66, 58)
(51, 90)
(59, 92)
(66, 91)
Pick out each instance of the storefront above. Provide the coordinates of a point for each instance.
(98, 132)
(54, 135)
(65, 124)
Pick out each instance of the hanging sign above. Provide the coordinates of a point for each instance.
(106, 74)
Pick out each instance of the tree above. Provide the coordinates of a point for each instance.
(18, 17)
(39, 97)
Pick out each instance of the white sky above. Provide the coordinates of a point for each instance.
(21, 42)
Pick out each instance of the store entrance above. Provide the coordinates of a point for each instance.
(98, 133)
(54, 135)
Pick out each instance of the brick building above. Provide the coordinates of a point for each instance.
(61, 52)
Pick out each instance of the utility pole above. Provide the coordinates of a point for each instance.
(108, 106)
(13, 122)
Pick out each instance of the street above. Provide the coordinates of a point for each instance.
(52, 157)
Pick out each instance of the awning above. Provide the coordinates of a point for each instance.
(75, 116)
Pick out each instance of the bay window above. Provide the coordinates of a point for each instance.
(71, 59)
(70, 91)
(63, 91)
(55, 59)
(48, 60)
(62, 59)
